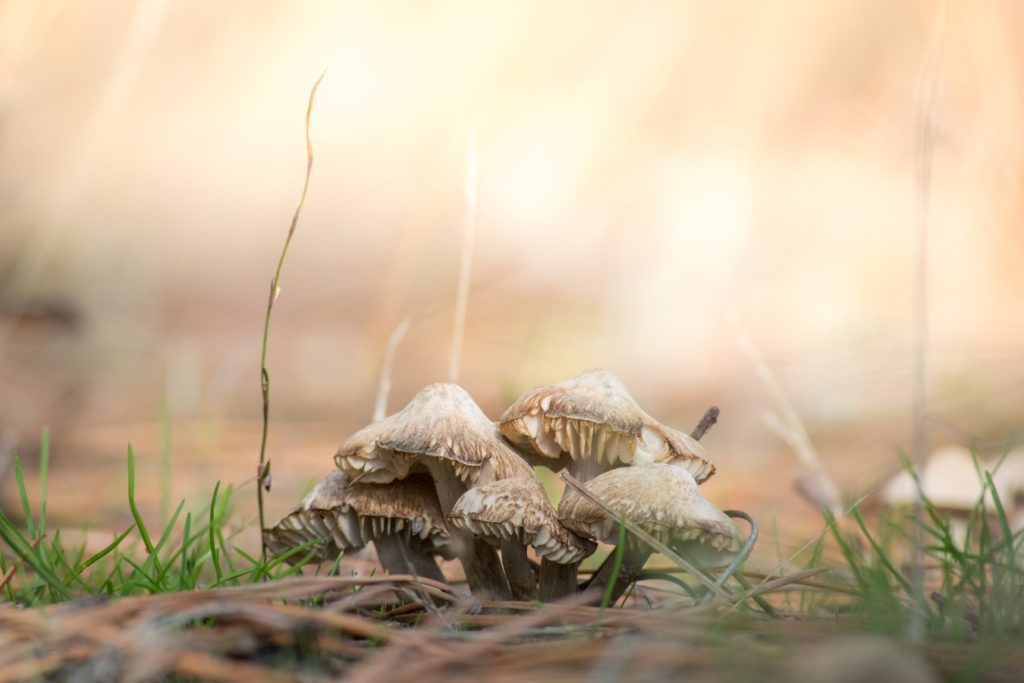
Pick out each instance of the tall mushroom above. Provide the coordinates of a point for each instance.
(515, 513)
(443, 432)
(403, 519)
(591, 424)
(663, 499)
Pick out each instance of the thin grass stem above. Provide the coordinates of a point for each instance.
(263, 470)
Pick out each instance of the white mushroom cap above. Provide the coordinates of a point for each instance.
(593, 417)
(1009, 477)
(346, 516)
(949, 480)
(518, 510)
(442, 421)
(664, 500)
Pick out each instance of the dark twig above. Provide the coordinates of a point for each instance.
(706, 423)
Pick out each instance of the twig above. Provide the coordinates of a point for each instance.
(263, 471)
(380, 406)
(6, 578)
(466, 264)
(706, 423)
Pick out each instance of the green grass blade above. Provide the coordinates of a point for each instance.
(185, 569)
(26, 509)
(883, 557)
(163, 568)
(214, 557)
(44, 474)
(131, 503)
(138, 578)
(96, 557)
(620, 551)
(31, 557)
(293, 569)
(1004, 523)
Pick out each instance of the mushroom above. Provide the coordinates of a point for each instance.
(591, 424)
(1008, 476)
(402, 519)
(950, 482)
(441, 431)
(663, 499)
(515, 513)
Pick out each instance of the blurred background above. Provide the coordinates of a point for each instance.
(666, 190)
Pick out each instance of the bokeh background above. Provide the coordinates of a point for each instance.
(656, 182)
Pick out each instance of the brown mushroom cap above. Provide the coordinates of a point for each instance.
(518, 510)
(593, 417)
(346, 516)
(663, 499)
(442, 421)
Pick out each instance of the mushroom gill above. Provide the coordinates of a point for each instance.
(591, 424)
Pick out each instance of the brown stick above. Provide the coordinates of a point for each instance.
(706, 423)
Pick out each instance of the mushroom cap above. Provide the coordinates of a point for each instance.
(1009, 477)
(663, 499)
(442, 421)
(593, 417)
(518, 510)
(949, 481)
(346, 516)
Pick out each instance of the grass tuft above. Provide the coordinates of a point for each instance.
(40, 568)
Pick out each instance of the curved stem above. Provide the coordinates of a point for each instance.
(744, 552)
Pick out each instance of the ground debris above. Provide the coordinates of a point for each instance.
(400, 628)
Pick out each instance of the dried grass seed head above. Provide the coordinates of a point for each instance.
(518, 510)
(593, 417)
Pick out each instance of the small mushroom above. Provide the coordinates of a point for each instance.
(1008, 477)
(402, 519)
(951, 483)
(664, 500)
(515, 513)
(591, 424)
(441, 431)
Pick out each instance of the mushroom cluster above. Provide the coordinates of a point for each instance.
(441, 478)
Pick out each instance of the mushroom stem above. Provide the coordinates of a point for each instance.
(483, 570)
(557, 580)
(518, 570)
(634, 557)
(399, 558)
